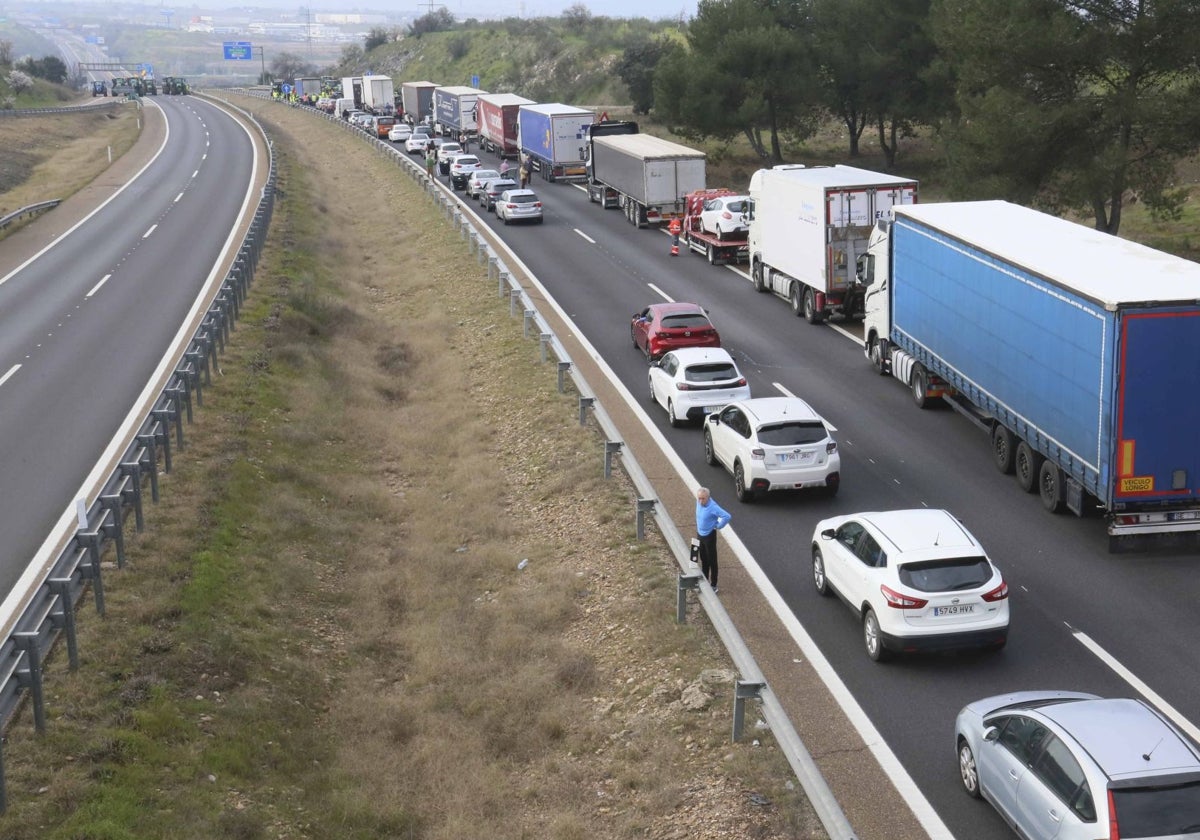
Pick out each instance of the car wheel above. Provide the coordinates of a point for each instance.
(710, 456)
(967, 771)
(920, 386)
(873, 637)
(1050, 486)
(675, 421)
(650, 388)
(1026, 464)
(1004, 445)
(818, 569)
(505, 220)
(744, 495)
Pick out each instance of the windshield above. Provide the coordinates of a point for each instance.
(792, 434)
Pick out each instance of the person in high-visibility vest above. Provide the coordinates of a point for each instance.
(675, 227)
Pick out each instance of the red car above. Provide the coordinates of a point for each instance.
(662, 327)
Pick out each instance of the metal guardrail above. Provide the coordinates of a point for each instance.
(5, 221)
(752, 684)
(64, 109)
(49, 612)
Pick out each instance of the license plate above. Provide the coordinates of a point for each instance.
(954, 609)
(797, 457)
(1183, 516)
(709, 409)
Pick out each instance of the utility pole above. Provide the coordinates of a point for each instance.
(262, 80)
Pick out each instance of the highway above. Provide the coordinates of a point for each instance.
(87, 323)
(1082, 619)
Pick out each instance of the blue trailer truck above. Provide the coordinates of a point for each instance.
(553, 136)
(1076, 350)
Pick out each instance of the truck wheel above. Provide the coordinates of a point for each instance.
(920, 386)
(876, 355)
(1003, 448)
(1050, 486)
(811, 314)
(711, 254)
(795, 298)
(756, 275)
(1026, 464)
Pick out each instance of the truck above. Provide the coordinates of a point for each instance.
(552, 137)
(645, 176)
(378, 95)
(352, 88)
(498, 122)
(807, 227)
(417, 100)
(1070, 347)
(733, 248)
(309, 86)
(454, 110)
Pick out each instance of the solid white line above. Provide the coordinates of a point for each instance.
(1140, 687)
(585, 236)
(147, 233)
(96, 288)
(665, 296)
(8, 375)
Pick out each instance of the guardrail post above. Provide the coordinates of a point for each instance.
(563, 367)
(493, 265)
(483, 255)
(584, 404)
(472, 241)
(514, 296)
(644, 506)
(64, 619)
(163, 433)
(27, 640)
(687, 581)
(193, 356)
(544, 340)
(91, 570)
(113, 529)
(742, 692)
(149, 461)
(180, 393)
(528, 320)
(134, 470)
(503, 283)
(611, 448)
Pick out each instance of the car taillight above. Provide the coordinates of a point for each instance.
(537, 204)
(997, 594)
(757, 454)
(725, 215)
(683, 386)
(1114, 832)
(901, 602)
(831, 447)
(740, 383)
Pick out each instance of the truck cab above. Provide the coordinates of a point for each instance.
(873, 273)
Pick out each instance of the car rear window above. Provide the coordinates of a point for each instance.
(522, 199)
(736, 207)
(792, 434)
(688, 321)
(1158, 811)
(947, 575)
(710, 373)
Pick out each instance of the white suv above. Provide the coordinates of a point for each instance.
(772, 443)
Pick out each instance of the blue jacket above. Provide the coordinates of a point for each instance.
(710, 517)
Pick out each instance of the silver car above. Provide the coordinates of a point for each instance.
(1072, 766)
(518, 206)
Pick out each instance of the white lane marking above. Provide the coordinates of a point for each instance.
(8, 375)
(147, 233)
(96, 288)
(1140, 687)
(585, 236)
(871, 737)
(176, 201)
(779, 387)
(856, 339)
(197, 172)
(664, 295)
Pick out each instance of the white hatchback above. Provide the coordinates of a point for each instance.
(692, 382)
(917, 580)
(723, 216)
(772, 443)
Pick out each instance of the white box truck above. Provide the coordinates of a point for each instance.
(808, 226)
(379, 95)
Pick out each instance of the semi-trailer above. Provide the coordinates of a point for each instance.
(378, 95)
(455, 110)
(807, 227)
(417, 100)
(352, 89)
(1071, 347)
(645, 176)
(498, 122)
(552, 136)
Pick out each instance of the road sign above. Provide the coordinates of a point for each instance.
(237, 50)
(475, 81)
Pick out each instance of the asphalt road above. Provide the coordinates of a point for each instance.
(1073, 604)
(86, 324)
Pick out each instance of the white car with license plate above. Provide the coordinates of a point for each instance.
(400, 132)
(918, 580)
(723, 216)
(475, 182)
(772, 443)
(518, 206)
(692, 382)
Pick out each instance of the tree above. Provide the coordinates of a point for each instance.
(18, 81)
(288, 65)
(439, 20)
(377, 37)
(51, 68)
(576, 18)
(636, 69)
(352, 58)
(1072, 104)
(748, 69)
(6, 53)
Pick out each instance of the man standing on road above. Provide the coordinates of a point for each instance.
(710, 518)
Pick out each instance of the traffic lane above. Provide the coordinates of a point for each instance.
(64, 406)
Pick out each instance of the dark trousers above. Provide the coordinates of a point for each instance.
(708, 557)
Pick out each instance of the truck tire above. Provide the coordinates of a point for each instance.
(756, 276)
(811, 313)
(1004, 445)
(1026, 464)
(875, 353)
(796, 299)
(1050, 486)
(920, 386)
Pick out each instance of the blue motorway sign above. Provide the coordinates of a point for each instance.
(237, 50)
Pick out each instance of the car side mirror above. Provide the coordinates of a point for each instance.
(828, 534)
(715, 419)
(991, 734)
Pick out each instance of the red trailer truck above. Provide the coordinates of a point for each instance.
(498, 122)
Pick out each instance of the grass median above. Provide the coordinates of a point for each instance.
(329, 629)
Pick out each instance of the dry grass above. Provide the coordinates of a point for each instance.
(324, 631)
